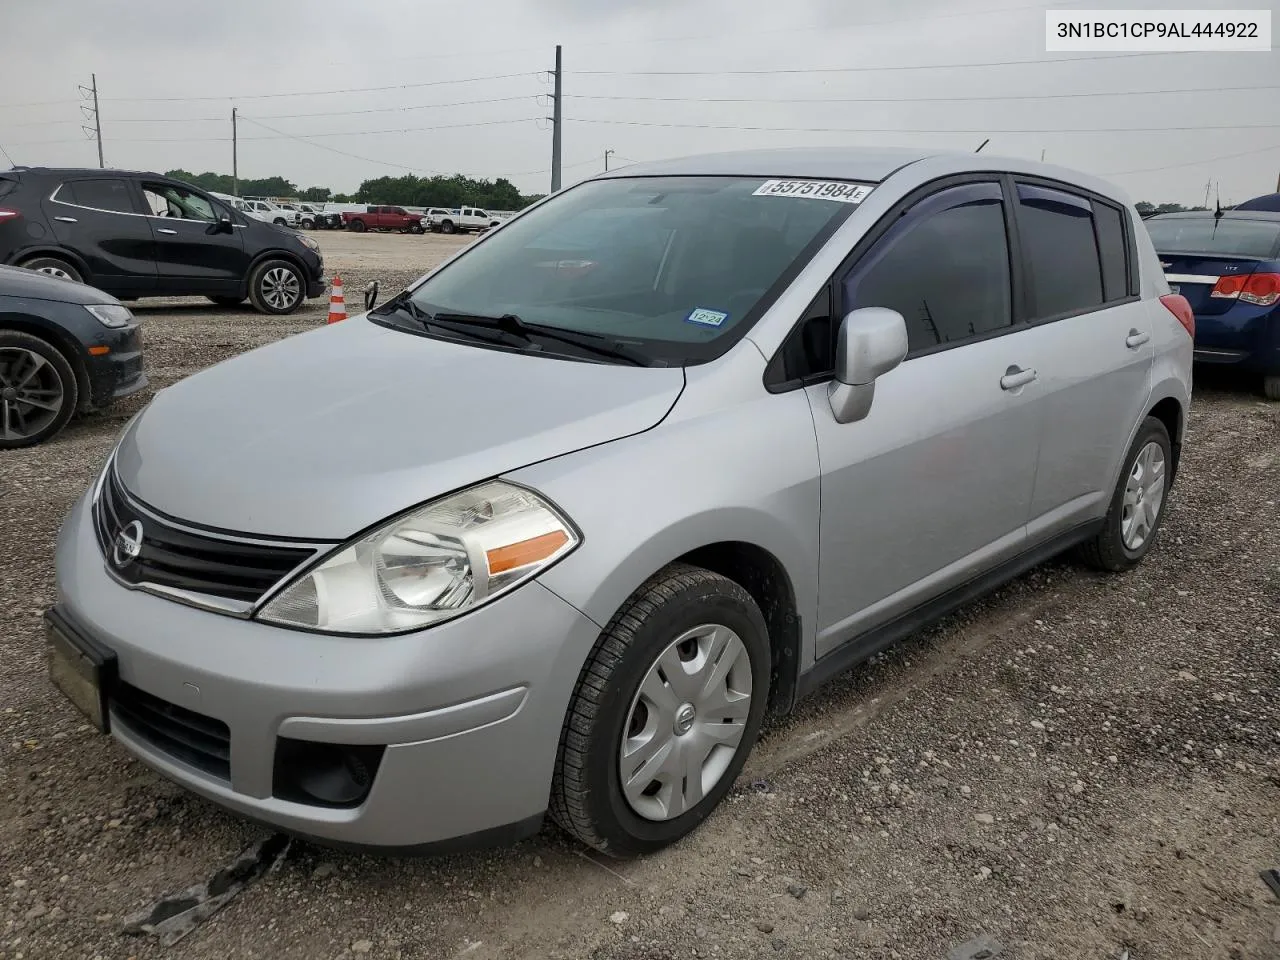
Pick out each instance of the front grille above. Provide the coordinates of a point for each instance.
(177, 557)
(198, 741)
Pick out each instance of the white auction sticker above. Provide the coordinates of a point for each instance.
(1138, 30)
(814, 189)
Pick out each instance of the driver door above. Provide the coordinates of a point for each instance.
(194, 254)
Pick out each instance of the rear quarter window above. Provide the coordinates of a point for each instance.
(7, 186)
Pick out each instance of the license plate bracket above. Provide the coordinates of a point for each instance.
(81, 668)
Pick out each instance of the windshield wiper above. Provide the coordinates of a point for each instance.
(592, 342)
(406, 303)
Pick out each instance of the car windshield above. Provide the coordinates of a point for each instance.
(676, 267)
(1226, 235)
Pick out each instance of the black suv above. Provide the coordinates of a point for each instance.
(144, 235)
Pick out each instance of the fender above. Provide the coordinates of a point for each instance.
(274, 254)
(52, 250)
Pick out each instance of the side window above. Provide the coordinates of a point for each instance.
(1113, 249)
(110, 195)
(167, 200)
(1060, 250)
(944, 266)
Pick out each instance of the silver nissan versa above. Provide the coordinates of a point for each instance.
(552, 529)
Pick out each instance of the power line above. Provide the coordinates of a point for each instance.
(1019, 96)
(980, 130)
(897, 67)
(371, 133)
(324, 93)
(1195, 163)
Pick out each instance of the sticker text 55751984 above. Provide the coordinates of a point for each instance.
(814, 189)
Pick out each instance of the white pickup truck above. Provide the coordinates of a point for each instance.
(462, 220)
(271, 212)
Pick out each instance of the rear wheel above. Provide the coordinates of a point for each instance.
(277, 286)
(1137, 505)
(308, 224)
(448, 227)
(1271, 387)
(665, 712)
(358, 226)
(280, 222)
(54, 267)
(38, 390)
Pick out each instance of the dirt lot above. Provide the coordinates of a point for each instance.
(1077, 767)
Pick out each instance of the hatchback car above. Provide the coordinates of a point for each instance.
(64, 348)
(144, 235)
(553, 528)
(1228, 268)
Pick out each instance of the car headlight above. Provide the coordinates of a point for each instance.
(110, 314)
(437, 562)
(308, 242)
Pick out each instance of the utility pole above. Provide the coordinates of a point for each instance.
(606, 159)
(235, 165)
(97, 117)
(557, 122)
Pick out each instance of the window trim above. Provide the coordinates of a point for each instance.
(213, 204)
(53, 198)
(1017, 293)
(1091, 197)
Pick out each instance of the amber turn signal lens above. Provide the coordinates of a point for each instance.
(516, 555)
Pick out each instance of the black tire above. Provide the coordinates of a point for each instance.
(358, 226)
(1271, 387)
(586, 790)
(12, 344)
(1107, 551)
(264, 278)
(308, 224)
(416, 228)
(227, 301)
(54, 266)
(280, 222)
(448, 227)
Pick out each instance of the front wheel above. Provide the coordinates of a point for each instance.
(308, 224)
(1137, 505)
(416, 228)
(38, 390)
(665, 711)
(448, 227)
(358, 226)
(277, 287)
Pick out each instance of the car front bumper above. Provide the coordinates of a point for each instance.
(118, 372)
(470, 711)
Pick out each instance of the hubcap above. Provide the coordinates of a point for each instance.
(54, 272)
(1143, 496)
(280, 288)
(31, 393)
(686, 722)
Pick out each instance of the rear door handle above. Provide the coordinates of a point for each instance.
(1016, 377)
(167, 232)
(1136, 339)
(67, 219)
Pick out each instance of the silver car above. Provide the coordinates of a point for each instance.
(551, 530)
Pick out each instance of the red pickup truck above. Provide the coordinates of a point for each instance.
(383, 218)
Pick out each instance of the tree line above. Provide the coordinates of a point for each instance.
(407, 191)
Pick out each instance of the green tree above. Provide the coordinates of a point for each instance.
(316, 194)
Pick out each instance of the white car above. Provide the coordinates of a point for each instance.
(271, 212)
(463, 220)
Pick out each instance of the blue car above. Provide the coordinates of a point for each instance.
(1228, 268)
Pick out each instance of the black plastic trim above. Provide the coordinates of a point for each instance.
(500, 836)
(860, 648)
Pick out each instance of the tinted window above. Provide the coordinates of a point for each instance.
(1242, 238)
(1060, 250)
(1111, 245)
(99, 194)
(944, 267)
(7, 186)
(167, 200)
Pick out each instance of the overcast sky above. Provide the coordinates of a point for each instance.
(876, 62)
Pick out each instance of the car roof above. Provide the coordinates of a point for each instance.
(869, 164)
(1267, 215)
(84, 173)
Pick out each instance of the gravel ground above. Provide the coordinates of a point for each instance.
(1076, 766)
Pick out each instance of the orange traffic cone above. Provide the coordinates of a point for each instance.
(337, 302)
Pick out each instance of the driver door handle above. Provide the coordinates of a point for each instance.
(1136, 339)
(167, 232)
(1016, 377)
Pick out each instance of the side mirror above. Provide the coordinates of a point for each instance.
(370, 295)
(872, 341)
(224, 225)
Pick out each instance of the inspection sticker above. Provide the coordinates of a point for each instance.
(708, 318)
(817, 189)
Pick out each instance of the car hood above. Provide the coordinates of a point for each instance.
(20, 282)
(326, 433)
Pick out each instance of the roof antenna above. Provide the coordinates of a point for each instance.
(983, 144)
(7, 157)
(1217, 213)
